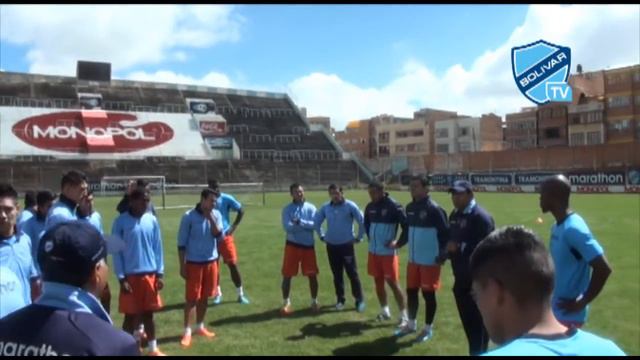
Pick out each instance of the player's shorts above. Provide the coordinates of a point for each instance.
(383, 266)
(425, 277)
(296, 257)
(144, 296)
(202, 280)
(227, 249)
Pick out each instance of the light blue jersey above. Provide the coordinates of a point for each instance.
(143, 245)
(62, 210)
(96, 220)
(575, 343)
(16, 272)
(301, 233)
(340, 218)
(195, 238)
(225, 204)
(25, 215)
(572, 247)
(34, 228)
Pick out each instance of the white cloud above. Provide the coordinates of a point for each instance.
(599, 36)
(59, 35)
(215, 79)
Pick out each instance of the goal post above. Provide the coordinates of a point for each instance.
(179, 195)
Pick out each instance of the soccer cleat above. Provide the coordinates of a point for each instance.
(403, 322)
(243, 300)
(315, 307)
(360, 306)
(383, 316)
(286, 310)
(217, 300)
(206, 333)
(340, 306)
(186, 340)
(156, 352)
(424, 336)
(404, 330)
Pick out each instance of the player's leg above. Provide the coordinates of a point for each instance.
(351, 267)
(310, 269)
(336, 264)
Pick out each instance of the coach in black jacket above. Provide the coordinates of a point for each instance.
(68, 318)
(469, 224)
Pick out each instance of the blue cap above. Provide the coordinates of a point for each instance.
(72, 247)
(460, 186)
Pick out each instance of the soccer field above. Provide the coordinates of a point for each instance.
(258, 328)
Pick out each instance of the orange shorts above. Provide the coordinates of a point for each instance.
(424, 277)
(384, 266)
(144, 296)
(296, 257)
(227, 249)
(202, 280)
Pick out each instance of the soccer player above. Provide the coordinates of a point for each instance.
(426, 233)
(17, 272)
(340, 214)
(469, 223)
(297, 221)
(198, 235)
(513, 278)
(73, 188)
(34, 227)
(227, 248)
(139, 267)
(382, 216)
(67, 319)
(29, 211)
(581, 267)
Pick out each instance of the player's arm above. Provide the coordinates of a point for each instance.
(159, 255)
(357, 215)
(118, 258)
(442, 228)
(287, 223)
(318, 220)
(183, 240)
(601, 272)
(235, 205)
(367, 222)
(307, 222)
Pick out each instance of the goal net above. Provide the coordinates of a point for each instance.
(173, 196)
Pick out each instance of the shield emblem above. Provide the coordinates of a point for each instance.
(537, 65)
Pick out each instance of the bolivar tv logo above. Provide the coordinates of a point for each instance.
(541, 71)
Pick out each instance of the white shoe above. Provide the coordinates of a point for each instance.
(339, 306)
(383, 316)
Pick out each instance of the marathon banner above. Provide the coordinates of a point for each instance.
(597, 178)
(491, 179)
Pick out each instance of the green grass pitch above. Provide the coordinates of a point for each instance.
(258, 329)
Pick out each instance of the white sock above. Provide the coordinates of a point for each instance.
(314, 301)
(153, 345)
(287, 302)
(187, 330)
(240, 292)
(219, 291)
(141, 328)
(404, 315)
(428, 327)
(412, 324)
(385, 310)
(201, 326)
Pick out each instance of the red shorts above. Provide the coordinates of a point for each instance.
(144, 295)
(227, 249)
(202, 280)
(384, 266)
(423, 277)
(296, 257)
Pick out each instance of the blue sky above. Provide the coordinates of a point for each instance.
(343, 61)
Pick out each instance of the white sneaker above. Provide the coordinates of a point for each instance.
(383, 316)
(402, 322)
(339, 306)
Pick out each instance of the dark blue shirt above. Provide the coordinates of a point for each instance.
(39, 330)
(467, 227)
(426, 231)
(381, 220)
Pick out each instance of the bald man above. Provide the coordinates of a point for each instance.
(574, 251)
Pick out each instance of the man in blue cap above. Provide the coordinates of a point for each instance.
(469, 224)
(68, 318)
